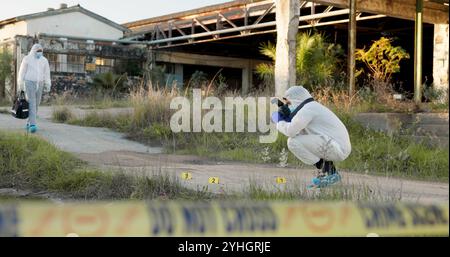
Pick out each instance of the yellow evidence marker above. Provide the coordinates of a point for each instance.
(186, 175)
(281, 180)
(213, 180)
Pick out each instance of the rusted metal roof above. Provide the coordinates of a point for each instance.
(250, 17)
(435, 11)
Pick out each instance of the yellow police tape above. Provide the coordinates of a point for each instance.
(172, 218)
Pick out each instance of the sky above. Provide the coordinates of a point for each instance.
(120, 11)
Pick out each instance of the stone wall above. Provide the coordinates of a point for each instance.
(428, 128)
(441, 58)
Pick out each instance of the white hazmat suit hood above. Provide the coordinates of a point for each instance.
(34, 50)
(296, 95)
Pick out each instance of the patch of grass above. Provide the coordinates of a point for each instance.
(107, 102)
(120, 123)
(5, 102)
(382, 154)
(30, 163)
(99, 101)
(62, 114)
(437, 107)
(337, 193)
(372, 152)
(4, 111)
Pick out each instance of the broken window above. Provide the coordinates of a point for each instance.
(52, 61)
(75, 63)
(104, 65)
(66, 63)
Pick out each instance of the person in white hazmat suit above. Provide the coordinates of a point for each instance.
(34, 79)
(315, 134)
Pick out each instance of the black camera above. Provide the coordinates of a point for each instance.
(278, 102)
(283, 108)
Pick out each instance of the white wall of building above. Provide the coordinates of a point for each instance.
(10, 30)
(72, 24)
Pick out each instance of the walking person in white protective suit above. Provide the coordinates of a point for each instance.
(316, 135)
(34, 79)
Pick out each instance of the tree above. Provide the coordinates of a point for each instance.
(317, 60)
(382, 59)
(5, 69)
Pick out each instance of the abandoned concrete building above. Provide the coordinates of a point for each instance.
(227, 37)
(231, 34)
(77, 42)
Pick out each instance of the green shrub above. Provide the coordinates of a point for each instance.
(382, 59)
(111, 84)
(433, 94)
(318, 61)
(62, 114)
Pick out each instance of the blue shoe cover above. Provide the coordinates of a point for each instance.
(32, 128)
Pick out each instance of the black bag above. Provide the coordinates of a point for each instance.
(20, 107)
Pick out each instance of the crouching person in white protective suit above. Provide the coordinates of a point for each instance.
(34, 79)
(316, 135)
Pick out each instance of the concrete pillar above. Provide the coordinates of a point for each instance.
(418, 40)
(287, 14)
(351, 47)
(179, 74)
(441, 58)
(246, 79)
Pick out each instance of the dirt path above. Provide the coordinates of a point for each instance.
(104, 148)
(76, 139)
(236, 176)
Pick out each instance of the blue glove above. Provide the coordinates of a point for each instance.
(276, 117)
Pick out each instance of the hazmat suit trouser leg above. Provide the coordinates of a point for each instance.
(39, 95)
(33, 94)
(311, 148)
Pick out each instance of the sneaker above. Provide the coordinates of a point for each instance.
(317, 180)
(333, 178)
(32, 128)
(329, 180)
(325, 180)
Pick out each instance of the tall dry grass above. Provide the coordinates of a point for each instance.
(152, 105)
(337, 99)
(374, 97)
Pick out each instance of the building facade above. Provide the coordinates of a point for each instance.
(78, 44)
(73, 21)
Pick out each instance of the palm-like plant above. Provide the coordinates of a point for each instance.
(317, 61)
(110, 83)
